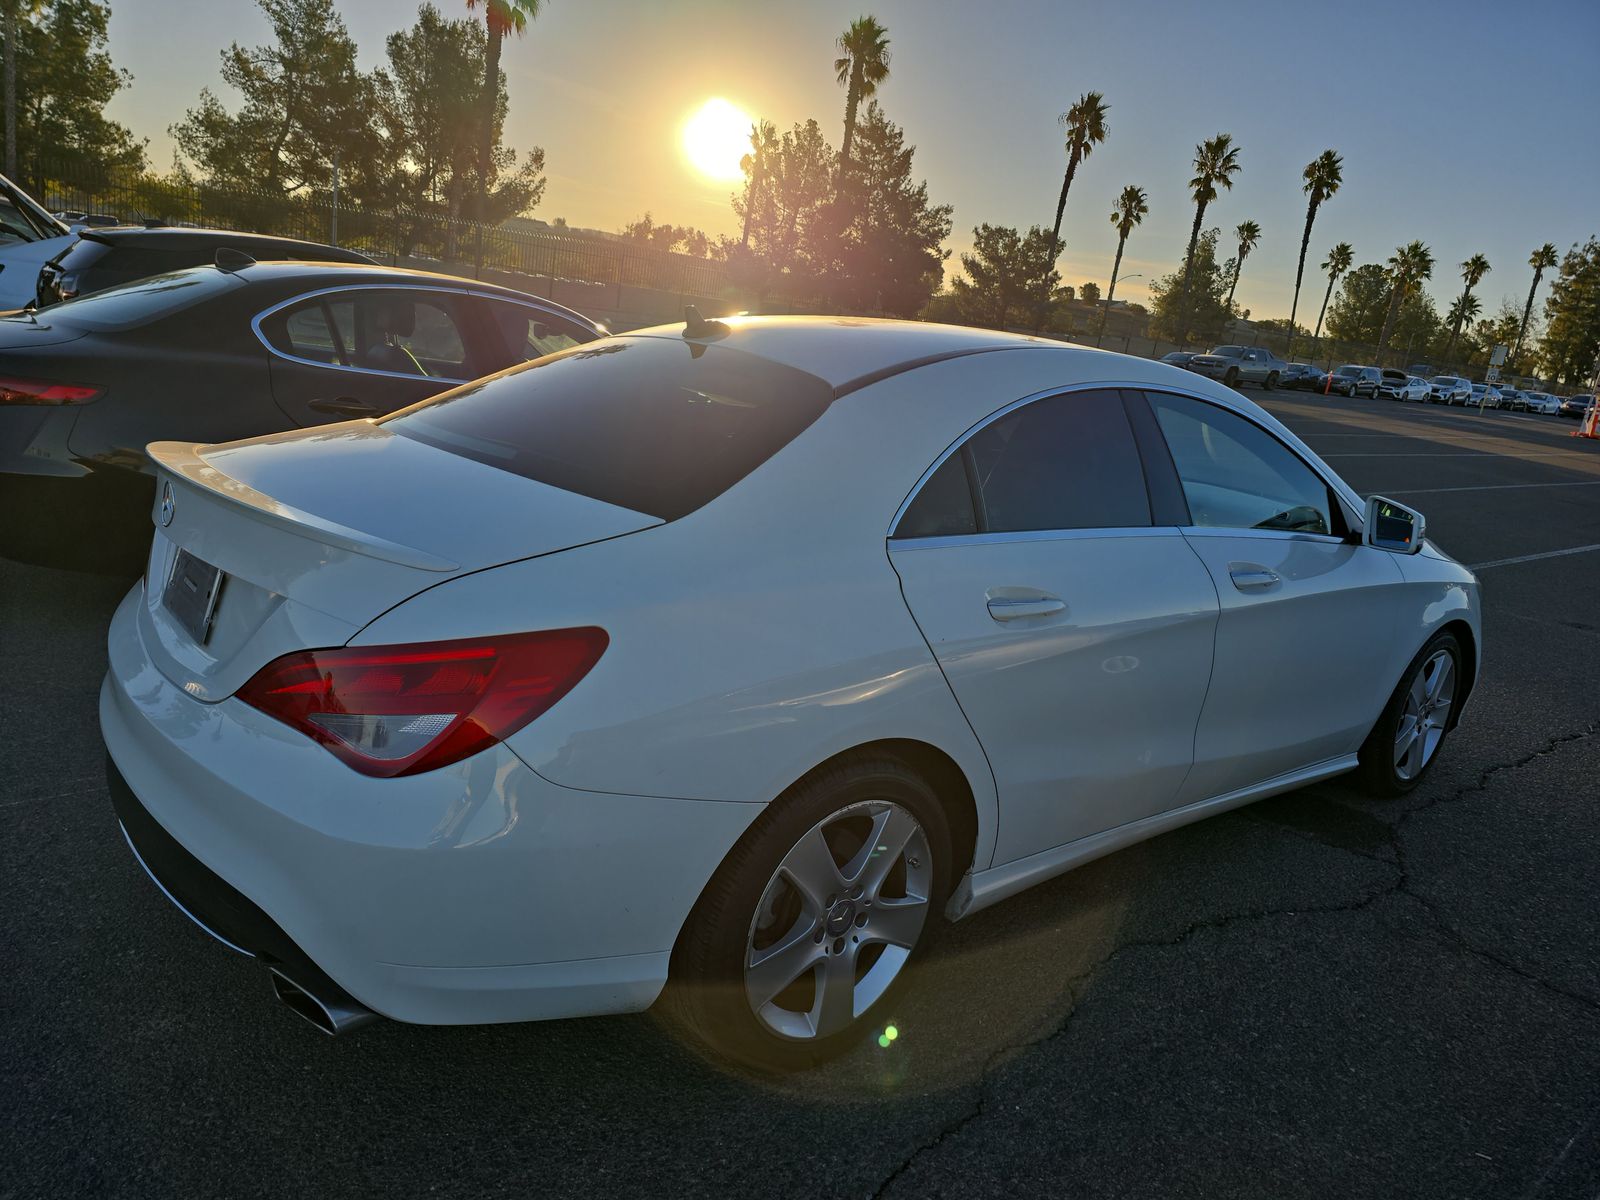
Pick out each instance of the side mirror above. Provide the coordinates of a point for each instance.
(1393, 527)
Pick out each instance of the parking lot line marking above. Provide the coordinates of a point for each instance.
(1487, 487)
(1508, 562)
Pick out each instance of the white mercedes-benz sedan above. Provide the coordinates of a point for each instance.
(723, 662)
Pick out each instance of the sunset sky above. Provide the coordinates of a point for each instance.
(1472, 126)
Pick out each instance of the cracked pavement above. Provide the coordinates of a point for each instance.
(1317, 995)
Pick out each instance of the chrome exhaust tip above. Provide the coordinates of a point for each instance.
(327, 1006)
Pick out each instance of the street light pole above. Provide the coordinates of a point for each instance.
(1106, 312)
(333, 221)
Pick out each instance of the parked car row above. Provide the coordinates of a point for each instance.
(1237, 365)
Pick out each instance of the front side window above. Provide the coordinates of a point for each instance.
(1063, 462)
(1236, 475)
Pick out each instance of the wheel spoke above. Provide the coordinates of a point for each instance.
(1414, 754)
(891, 830)
(897, 922)
(1405, 739)
(776, 968)
(1419, 692)
(1442, 686)
(835, 1005)
(810, 867)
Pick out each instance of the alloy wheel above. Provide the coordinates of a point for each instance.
(1426, 714)
(838, 920)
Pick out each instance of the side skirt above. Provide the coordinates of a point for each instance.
(980, 890)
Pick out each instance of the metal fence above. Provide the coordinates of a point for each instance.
(387, 235)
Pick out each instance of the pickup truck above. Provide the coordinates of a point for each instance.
(1235, 365)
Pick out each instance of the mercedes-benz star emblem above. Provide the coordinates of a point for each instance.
(168, 505)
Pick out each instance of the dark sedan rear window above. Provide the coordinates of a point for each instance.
(656, 425)
(129, 305)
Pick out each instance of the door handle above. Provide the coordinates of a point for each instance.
(1248, 577)
(342, 406)
(1011, 608)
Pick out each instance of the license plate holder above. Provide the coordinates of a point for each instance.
(191, 594)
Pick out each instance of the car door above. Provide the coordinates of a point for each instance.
(1075, 632)
(1309, 616)
(367, 351)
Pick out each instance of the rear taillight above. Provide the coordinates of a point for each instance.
(40, 391)
(399, 710)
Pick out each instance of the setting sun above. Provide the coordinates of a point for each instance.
(716, 137)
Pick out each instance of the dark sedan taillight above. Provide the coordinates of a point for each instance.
(44, 391)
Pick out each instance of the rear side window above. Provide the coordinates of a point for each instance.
(1064, 462)
(656, 425)
(402, 331)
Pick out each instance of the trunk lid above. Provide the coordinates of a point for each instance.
(316, 532)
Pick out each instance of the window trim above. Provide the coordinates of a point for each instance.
(1350, 513)
(960, 445)
(321, 293)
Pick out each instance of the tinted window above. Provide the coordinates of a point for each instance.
(404, 331)
(1065, 462)
(530, 333)
(308, 334)
(656, 425)
(944, 505)
(1235, 474)
(1229, 351)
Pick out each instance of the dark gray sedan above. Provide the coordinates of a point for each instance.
(208, 354)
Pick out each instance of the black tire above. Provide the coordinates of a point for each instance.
(1231, 379)
(706, 996)
(1272, 382)
(1378, 774)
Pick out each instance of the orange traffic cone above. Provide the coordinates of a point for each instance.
(1591, 422)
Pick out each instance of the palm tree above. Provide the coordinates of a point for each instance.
(502, 17)
(1409, 265)
(763, 141)
(1464, 310)
(863, 64)
(1085, 123)
(1248, 233)
(1472, 272)
(1132, 207)
(1216, 161)
(1336, 264)
(1540, 260)
(1323, 175)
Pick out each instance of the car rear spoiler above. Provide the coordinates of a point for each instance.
(184, 461)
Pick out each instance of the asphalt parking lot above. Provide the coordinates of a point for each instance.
(1317, 995)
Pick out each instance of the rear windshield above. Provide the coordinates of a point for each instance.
(138, 303)
(656, 425)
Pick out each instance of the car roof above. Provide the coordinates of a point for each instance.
(849, 352)
(156, 237)
(284, 279)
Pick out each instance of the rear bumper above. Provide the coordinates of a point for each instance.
(476, 893)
